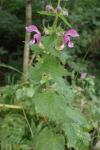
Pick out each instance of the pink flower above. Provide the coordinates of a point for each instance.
(67, 38)
(32, 28)
(32, 42)
(72, 33)
(70, 44)
(36, 37)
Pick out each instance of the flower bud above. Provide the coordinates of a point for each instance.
(49, 8)
(65, 12)
(58, 9)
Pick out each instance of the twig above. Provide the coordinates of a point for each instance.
(31, 60)
(10, 106)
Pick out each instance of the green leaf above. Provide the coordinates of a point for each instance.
(49, 66)
(64, 56)
(62, 87)
(61, 16)
(47, 140)
(24, 92)
(49, 104)
(54, 107)
(47, 43)
(76, 137)
(36, 49)
(48, 40)
(46, 13)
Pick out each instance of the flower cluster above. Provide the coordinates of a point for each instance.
(58, 9)
(49, 8)
(66, 37)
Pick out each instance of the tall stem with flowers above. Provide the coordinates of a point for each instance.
(54, 93)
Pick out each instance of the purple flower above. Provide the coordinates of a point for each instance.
(67, 38)
(49, 8)
(36, 37)
(83, 75)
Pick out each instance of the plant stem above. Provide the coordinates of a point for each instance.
(27, 39)
(55, 23)
(28, 123)
(59, 2)
(47, 84)
(56, 18)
